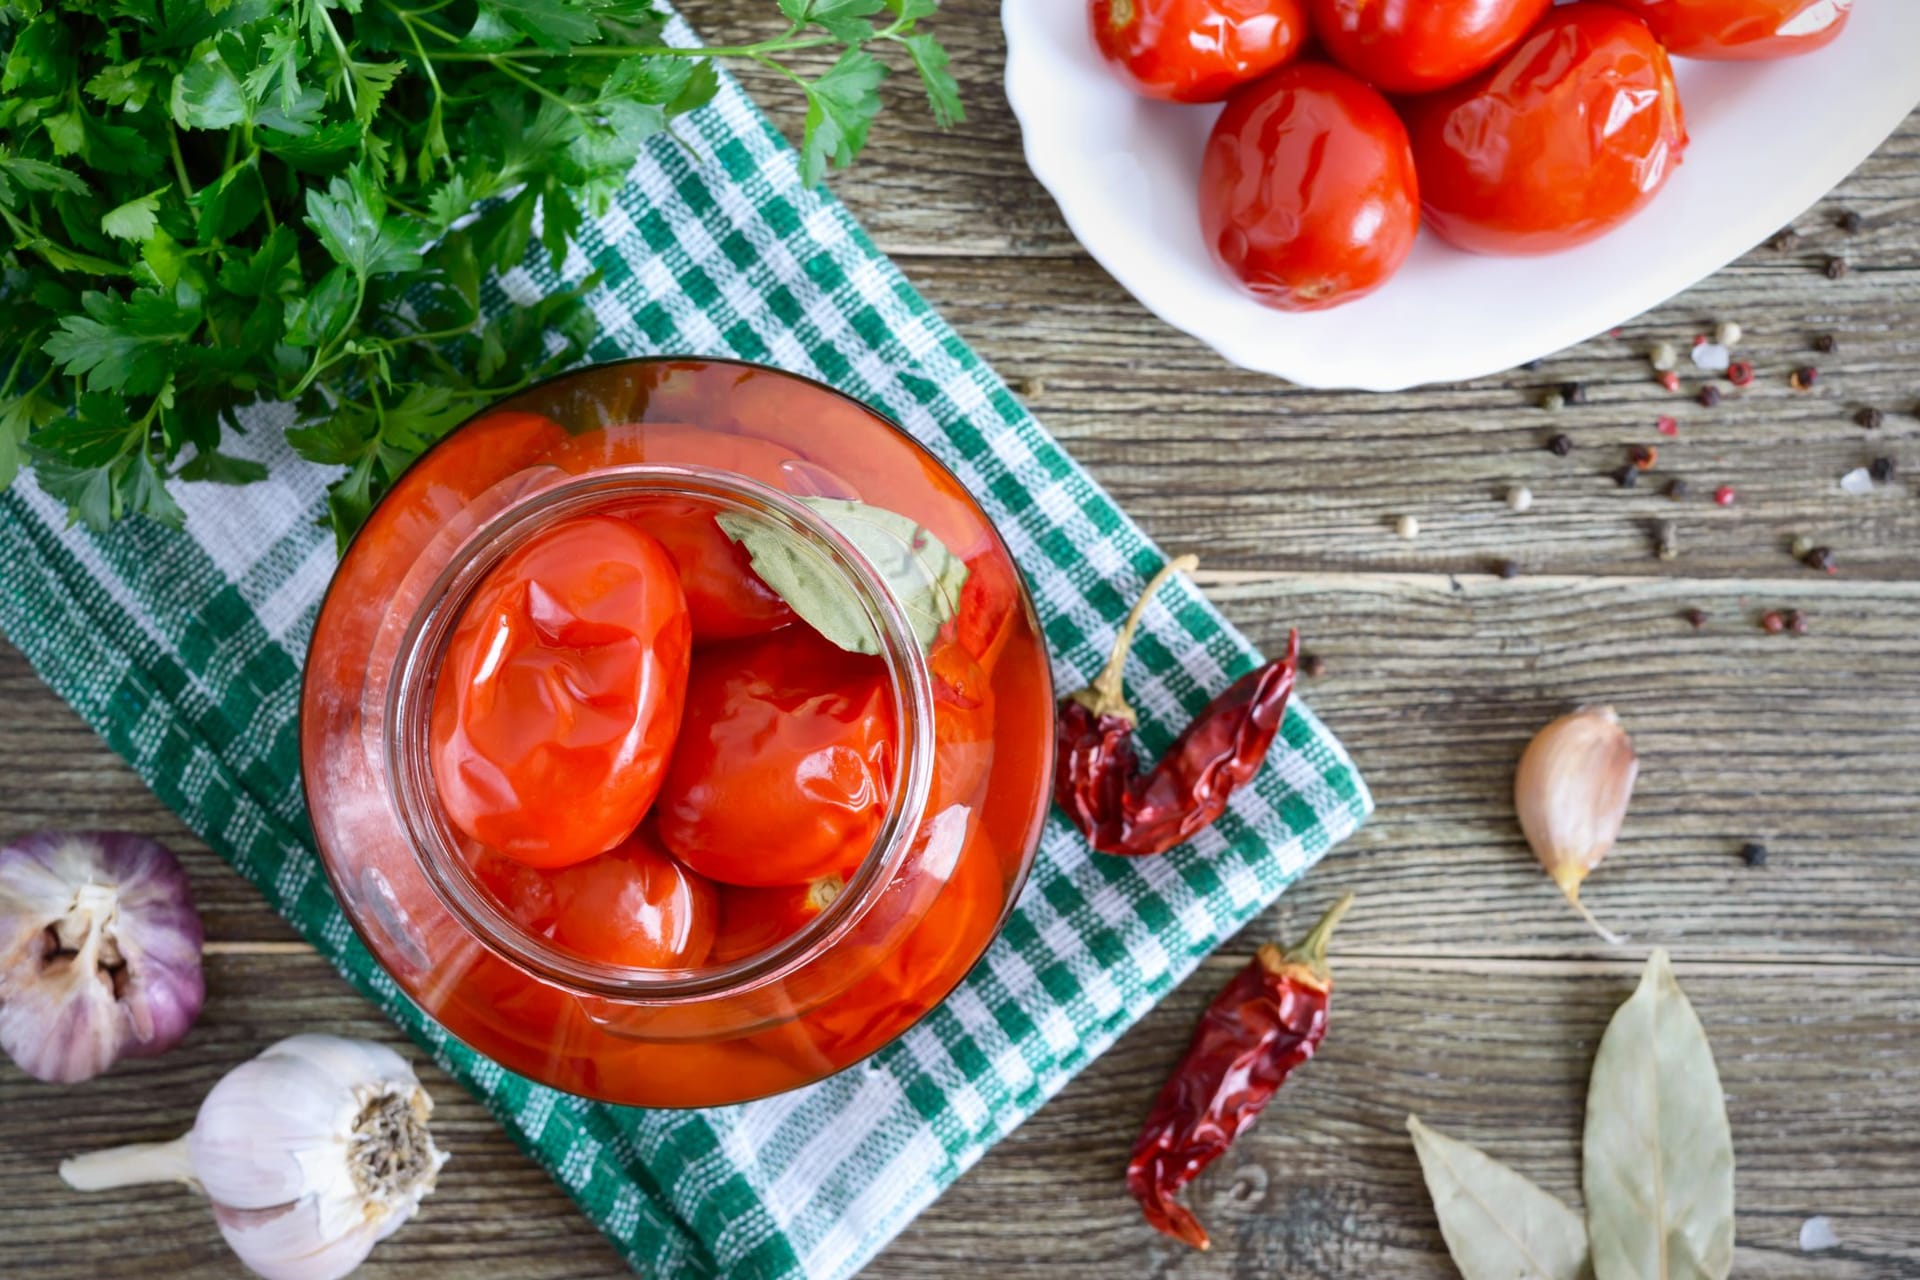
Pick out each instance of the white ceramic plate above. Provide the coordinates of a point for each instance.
(1769, 139)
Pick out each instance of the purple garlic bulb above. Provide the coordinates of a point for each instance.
(99, 952)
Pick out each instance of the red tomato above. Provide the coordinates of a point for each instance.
(1307, 189)
(785, 761)
(1742, 30)
(725, 598)
(1566, 139)
(559, 698)
(752, 920)
(1196, 50)
(635, 906)
(1399, 46)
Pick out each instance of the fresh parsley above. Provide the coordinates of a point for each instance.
(207, 204)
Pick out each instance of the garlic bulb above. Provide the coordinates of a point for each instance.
(311, 1153)
(1571, 791)
(99, 952)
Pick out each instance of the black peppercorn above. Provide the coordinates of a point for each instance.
(1870, 418)
(1850, 222)
(1821, 558)
(1696, 618)
(1836, 267)
(1881, 469)
(1312, 665)
(1826, 344)
(1796, 622)
(1627, 477)
(1785, 240)
(1560, 446)
(1678, 489)
(1573, 392)
(1641, 456)
(1709, 396)
(1509, 568)
(1753, 853)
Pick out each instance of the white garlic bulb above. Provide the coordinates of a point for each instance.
(311, 1153)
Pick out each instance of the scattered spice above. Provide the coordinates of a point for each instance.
(1772, 623)
(1407, 527)
(1670, 380)
(1312, 666)
(1826, 344)
(1696, 618)
(1667, 540)
(1857, 482)
(1753, 853)
(1784, 240)
(1533, 366)
(1643, 456)
(1709, 396)
(1520, 498)
(1881, 470)
(1574, 392)
(1098, 781)
(1802, 379)
(1571, 792)
(1821, 558)
(1678, 489)
(1870, 418)
(1264, 1023)
(1553, 401)
(1711, 356)
(1663, 357)
(1728, 334)
(1740, 373)
(1724, 495)
(1796, 622)
(1560, 446)
(1849, 222)
(1627, 477)
(1032, 388)
(1801, 546)
(1667, 426)
(1509, 568)
(1836, 267)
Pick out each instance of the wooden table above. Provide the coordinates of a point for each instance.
(1468, 993)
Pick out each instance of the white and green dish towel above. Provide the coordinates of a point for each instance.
(184, 649)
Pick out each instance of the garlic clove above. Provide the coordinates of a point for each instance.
(288, 1242)
(1571, 793)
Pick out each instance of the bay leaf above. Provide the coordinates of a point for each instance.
(1498, 1224)
(919, 569)
(1658, 1152)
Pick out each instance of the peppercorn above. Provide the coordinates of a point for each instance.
(1573, 392)
(1642, 456)
(1520, 498)
(1821, 558)
(1709, 396)
(1796, 622)
(1678, 489)
(1627, 477)
(1849, 222)
(1509, 568)
(1667, 540)
(1667, 426)
(1881, 469)
(1784, 240)
(1552, 401)
(1772, 623)
(1803, 379)
(1826, 344)
(1407, 527)
(1801, 546)
(1560, 446)
(1663, 357)
(1740, 372)
(1696, 618)
(1532, 366)
(1753, 853)
(1670, 380)
(1870, 418)
(1727, 333)
(1312, 665)
(1836, 267)
(1724, 495)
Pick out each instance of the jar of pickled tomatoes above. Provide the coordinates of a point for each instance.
(677, 732)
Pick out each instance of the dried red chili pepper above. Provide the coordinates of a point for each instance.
(1262, 1025)
(1097, 777)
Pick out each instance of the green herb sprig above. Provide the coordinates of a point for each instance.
(205, 203)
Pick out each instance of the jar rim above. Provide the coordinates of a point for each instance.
(409, 697)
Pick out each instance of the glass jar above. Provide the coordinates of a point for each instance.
(685, 441)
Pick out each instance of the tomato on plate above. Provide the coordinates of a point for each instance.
(752, 920)
(1400, 47)
(1307, 189)
(559, 698)
(1742, 30)
(785, 761)
(1196, 50)
(1568, 137)
(725, 598)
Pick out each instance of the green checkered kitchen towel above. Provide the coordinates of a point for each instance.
(184, 651)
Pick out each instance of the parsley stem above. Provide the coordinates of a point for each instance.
(179, 161)
(781, 45)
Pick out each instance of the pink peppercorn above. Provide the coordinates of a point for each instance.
(1667, 426)
(1670, 380)
(1724, 495)
(1772, 622)
(1740, 372)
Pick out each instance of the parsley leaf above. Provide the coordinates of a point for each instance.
(121, 345)
(841, 104)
